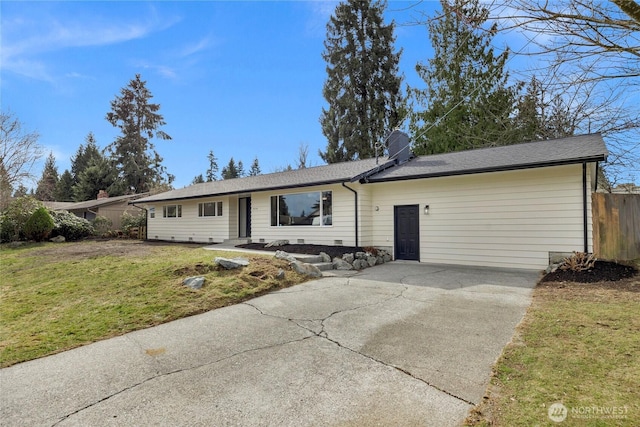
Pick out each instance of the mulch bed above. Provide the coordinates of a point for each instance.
(332, 251)
(601, 271)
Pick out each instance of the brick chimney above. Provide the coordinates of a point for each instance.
(102, 195)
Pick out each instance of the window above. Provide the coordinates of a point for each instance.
(313, 209)
(210, 209)
(172, 211)
(152, 212)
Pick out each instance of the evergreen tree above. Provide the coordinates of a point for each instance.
(544, 115)
(21, 191)
(241, 172)
(101, 174)
(138, 163)
(198, 179)
(212, 172)
(64, 188)
(363, 81)
(46, 188)
(467, 100)
(255, 168)
(84, 156)
(231, 170)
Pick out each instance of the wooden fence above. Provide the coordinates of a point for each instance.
(616, 226)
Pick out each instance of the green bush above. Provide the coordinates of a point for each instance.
(14, 218)
(129, 221)
(70, 226)
(39, 225)
(101, 225)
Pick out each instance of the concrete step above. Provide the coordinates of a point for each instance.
(324, 266)
(309, 259)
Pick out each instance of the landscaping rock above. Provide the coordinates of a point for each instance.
(306, 269)
(361, 255)
(341, 264)
(371, 260)
(325, 257)
(360, 264)
(280, 275)
(276, 243)
(57, 239)
(231, 264)
(195, 282)
(348, 258)
(386, 256)
(285, 255)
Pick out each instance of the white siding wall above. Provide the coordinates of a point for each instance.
(343, 219)
(504, 219)
(191, 227)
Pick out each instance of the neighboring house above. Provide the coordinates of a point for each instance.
(510, 206)
(111, 208)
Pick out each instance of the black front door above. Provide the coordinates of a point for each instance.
(244, 217)
(407, 232)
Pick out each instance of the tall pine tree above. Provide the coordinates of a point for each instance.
(467, 101)
(46, 188)
(139, 165)
(212, 172)
(363, 81)
(64, 188)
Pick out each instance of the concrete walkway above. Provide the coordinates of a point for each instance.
(397, 344)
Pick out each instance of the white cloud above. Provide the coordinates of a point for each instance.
(25, 41)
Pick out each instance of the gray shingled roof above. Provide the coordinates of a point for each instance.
(88, 204)
(327, 174)
(574, 149)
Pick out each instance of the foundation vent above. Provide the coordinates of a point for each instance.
(300, 241)
(337, 242)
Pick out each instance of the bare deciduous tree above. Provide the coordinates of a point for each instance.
(590, 55)
(19, 150)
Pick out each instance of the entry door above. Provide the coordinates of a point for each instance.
(407, 232)
(244, 217)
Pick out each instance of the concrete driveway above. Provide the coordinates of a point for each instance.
(397, 344)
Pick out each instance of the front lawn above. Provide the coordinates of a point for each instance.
(575, 360)
(55, 297)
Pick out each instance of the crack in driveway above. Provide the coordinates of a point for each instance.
(173, 372)
(323, 334)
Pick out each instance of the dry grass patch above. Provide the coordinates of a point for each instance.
(579, 345)
(59, 296)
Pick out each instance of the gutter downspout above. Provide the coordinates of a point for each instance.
(356, 208)
(584, 207)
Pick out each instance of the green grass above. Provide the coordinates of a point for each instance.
(54, 297)
(578, 345)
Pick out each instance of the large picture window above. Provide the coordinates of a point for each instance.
(210, 209)
(314, 208)
(172, 211)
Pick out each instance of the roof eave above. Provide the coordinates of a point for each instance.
(589, 159)
(248, 190)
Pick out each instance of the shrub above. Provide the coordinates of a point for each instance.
(579, 261)
(70, 226)
(39, 225)
(14, 218)
(101, 225)
(129, 221)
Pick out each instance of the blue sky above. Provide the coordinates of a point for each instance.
(243, 79)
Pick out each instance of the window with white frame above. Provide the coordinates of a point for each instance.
(172, 211)
(152, 212)
(313, 208)
(210, 209)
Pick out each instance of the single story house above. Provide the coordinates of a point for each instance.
(510, 206)
(111, 208)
